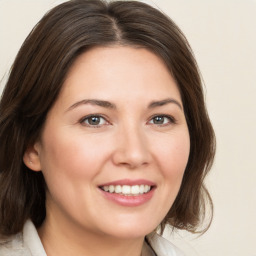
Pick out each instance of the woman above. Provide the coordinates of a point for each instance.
(104, 134)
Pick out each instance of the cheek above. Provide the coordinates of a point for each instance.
(70, 165)
(172, 155)
(78, 156)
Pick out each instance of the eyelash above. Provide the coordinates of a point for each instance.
(84, 120)
(171, 120)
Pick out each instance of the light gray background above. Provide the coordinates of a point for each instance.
(223, 37)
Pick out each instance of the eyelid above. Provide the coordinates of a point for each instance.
(82, 120)
(170, 117)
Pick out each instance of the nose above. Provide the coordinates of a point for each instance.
(132, 149)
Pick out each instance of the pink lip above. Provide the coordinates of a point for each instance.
(129, 201)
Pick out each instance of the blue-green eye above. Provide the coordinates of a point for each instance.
(162, 120)
(94, 120)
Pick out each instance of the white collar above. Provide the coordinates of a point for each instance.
(31, 239)
(163, 247)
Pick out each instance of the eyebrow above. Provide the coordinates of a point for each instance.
(107, 104)
(160, 103)
(101, 103)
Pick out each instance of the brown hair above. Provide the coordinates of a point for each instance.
(36, 79)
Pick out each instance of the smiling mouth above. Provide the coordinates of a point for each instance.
(127, 190)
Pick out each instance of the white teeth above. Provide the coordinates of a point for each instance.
(127, 190)
(118, 189)
(135, 190)
(111, 189)
(105, 188)
(142, 189)
(147, 188)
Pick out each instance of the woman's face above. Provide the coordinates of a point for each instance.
(115, 144)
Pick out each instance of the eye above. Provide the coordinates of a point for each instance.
(94, 120)
(162, 120)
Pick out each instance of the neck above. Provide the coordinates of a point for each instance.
(64, 239)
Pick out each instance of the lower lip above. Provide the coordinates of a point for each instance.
(130, 201)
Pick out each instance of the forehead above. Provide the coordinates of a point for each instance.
(119, 72)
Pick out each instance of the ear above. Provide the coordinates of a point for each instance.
(31, 157)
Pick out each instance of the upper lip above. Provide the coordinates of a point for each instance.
(129, 182)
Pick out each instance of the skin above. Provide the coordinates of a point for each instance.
(76, 156)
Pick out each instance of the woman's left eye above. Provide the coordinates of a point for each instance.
(94, 120)
(162, 120)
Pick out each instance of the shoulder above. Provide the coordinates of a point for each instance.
(163, 247)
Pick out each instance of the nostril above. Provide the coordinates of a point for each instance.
(131, 148)
(131, 159)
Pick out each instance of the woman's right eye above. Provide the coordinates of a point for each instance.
(94, 121)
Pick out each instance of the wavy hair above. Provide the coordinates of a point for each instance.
(36, 79)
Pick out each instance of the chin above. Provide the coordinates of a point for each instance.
(129, 230)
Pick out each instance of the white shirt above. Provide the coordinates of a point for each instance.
(28, 243)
